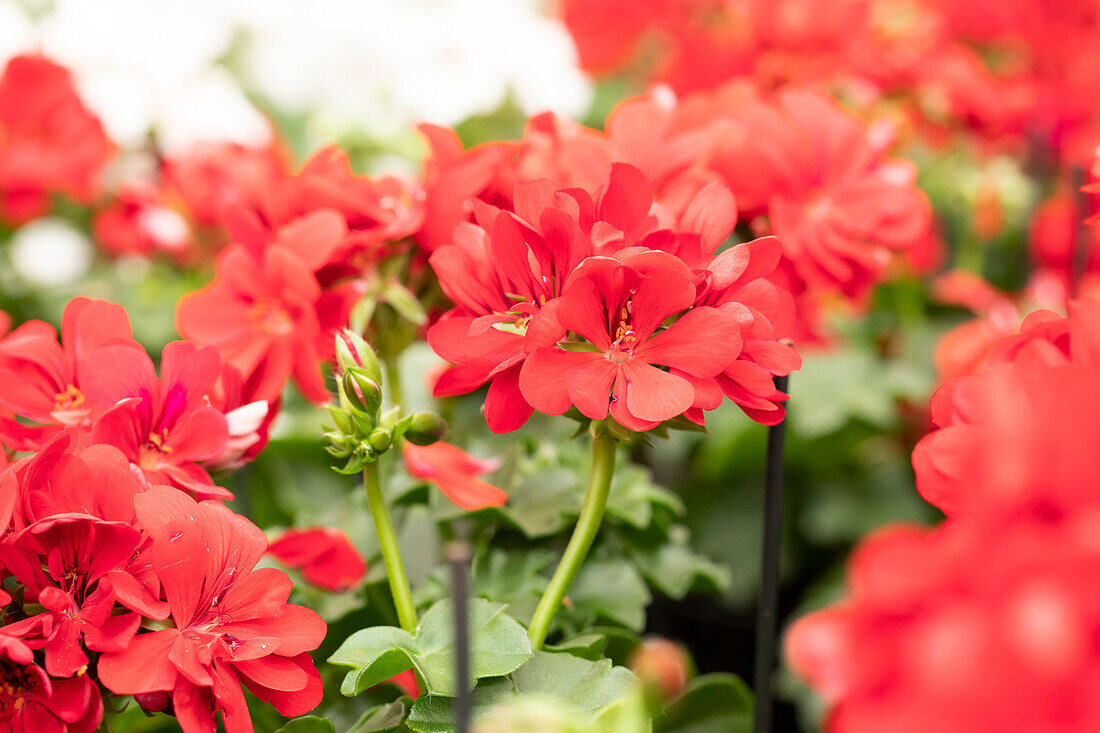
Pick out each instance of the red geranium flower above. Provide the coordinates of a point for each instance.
(140, 222)
(969, 627)
(453, 177)
(261, 312)
(1016, 439)
(618, 306)
(325, 555)
(455, 472)
(49, 141)
(42, 381)
(501, 272)
(69, 475)
(212, 177)
(77, 566)
(164, 427)
(32, 702)
(232, 623)
(375, 211)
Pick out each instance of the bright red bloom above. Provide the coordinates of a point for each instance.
(232, 623)
(261, 312)
(325, 555)
(617, 305)
(77, 566)
(965, 349)
(376, 211)
(454, 472)
(163, 426)
(1017, 439)
(501, 272)
(32, 702)
(832, 196)
(69, 475)
(453, 177)
(49, 141)
(212, 177)
(1053, 242)
(248, 419)
(140, 222)
(965, 628)
(42, 380)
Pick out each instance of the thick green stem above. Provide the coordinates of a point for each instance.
(391, 553)
(393, 379)
(588, 524)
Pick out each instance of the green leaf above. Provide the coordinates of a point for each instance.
(383, 718)
(584, 689)
(585, 646)
(675, 569)
(308, 724)
(498, 645)
(713, 703)
(611, 590)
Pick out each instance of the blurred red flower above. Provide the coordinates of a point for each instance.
(454, 472)
(325, 555)
(49, 141)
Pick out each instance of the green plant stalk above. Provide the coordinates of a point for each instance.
(393, 378)
(391, 553)
(588, 524)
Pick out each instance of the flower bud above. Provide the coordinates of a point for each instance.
(340, 418)
(352, 351)
(380, 440)
(425, 428)
(361, 392)
(662, 665)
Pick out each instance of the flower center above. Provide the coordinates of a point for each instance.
(13, 690)
(272, 320)
(625, 339)
(154, 450)
(68, 406)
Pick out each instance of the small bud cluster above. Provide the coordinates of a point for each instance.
(362, 431)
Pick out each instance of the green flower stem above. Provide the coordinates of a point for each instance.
(588, 524)
(391, 553)
(393, 379)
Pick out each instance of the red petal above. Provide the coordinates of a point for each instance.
(652, 394)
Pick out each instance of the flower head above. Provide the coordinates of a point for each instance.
(232, 623)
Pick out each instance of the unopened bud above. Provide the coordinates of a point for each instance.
(352, 351)
(380, 440)
(340, 418)
(662, 665)
(425, 428)
(362, 393)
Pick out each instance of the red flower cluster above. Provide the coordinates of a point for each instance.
(99, 555)
(640, 291)
(1008, 70)
(798, 165)
(299, 260)
(49, 142)
(99, 382)
(988, 622)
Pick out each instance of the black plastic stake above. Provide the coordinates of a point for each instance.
(767, 611)
(458, 557)
(1081, 238)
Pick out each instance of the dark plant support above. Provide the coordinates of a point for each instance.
(769, 576)
(458, 557)
(1081, 234)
